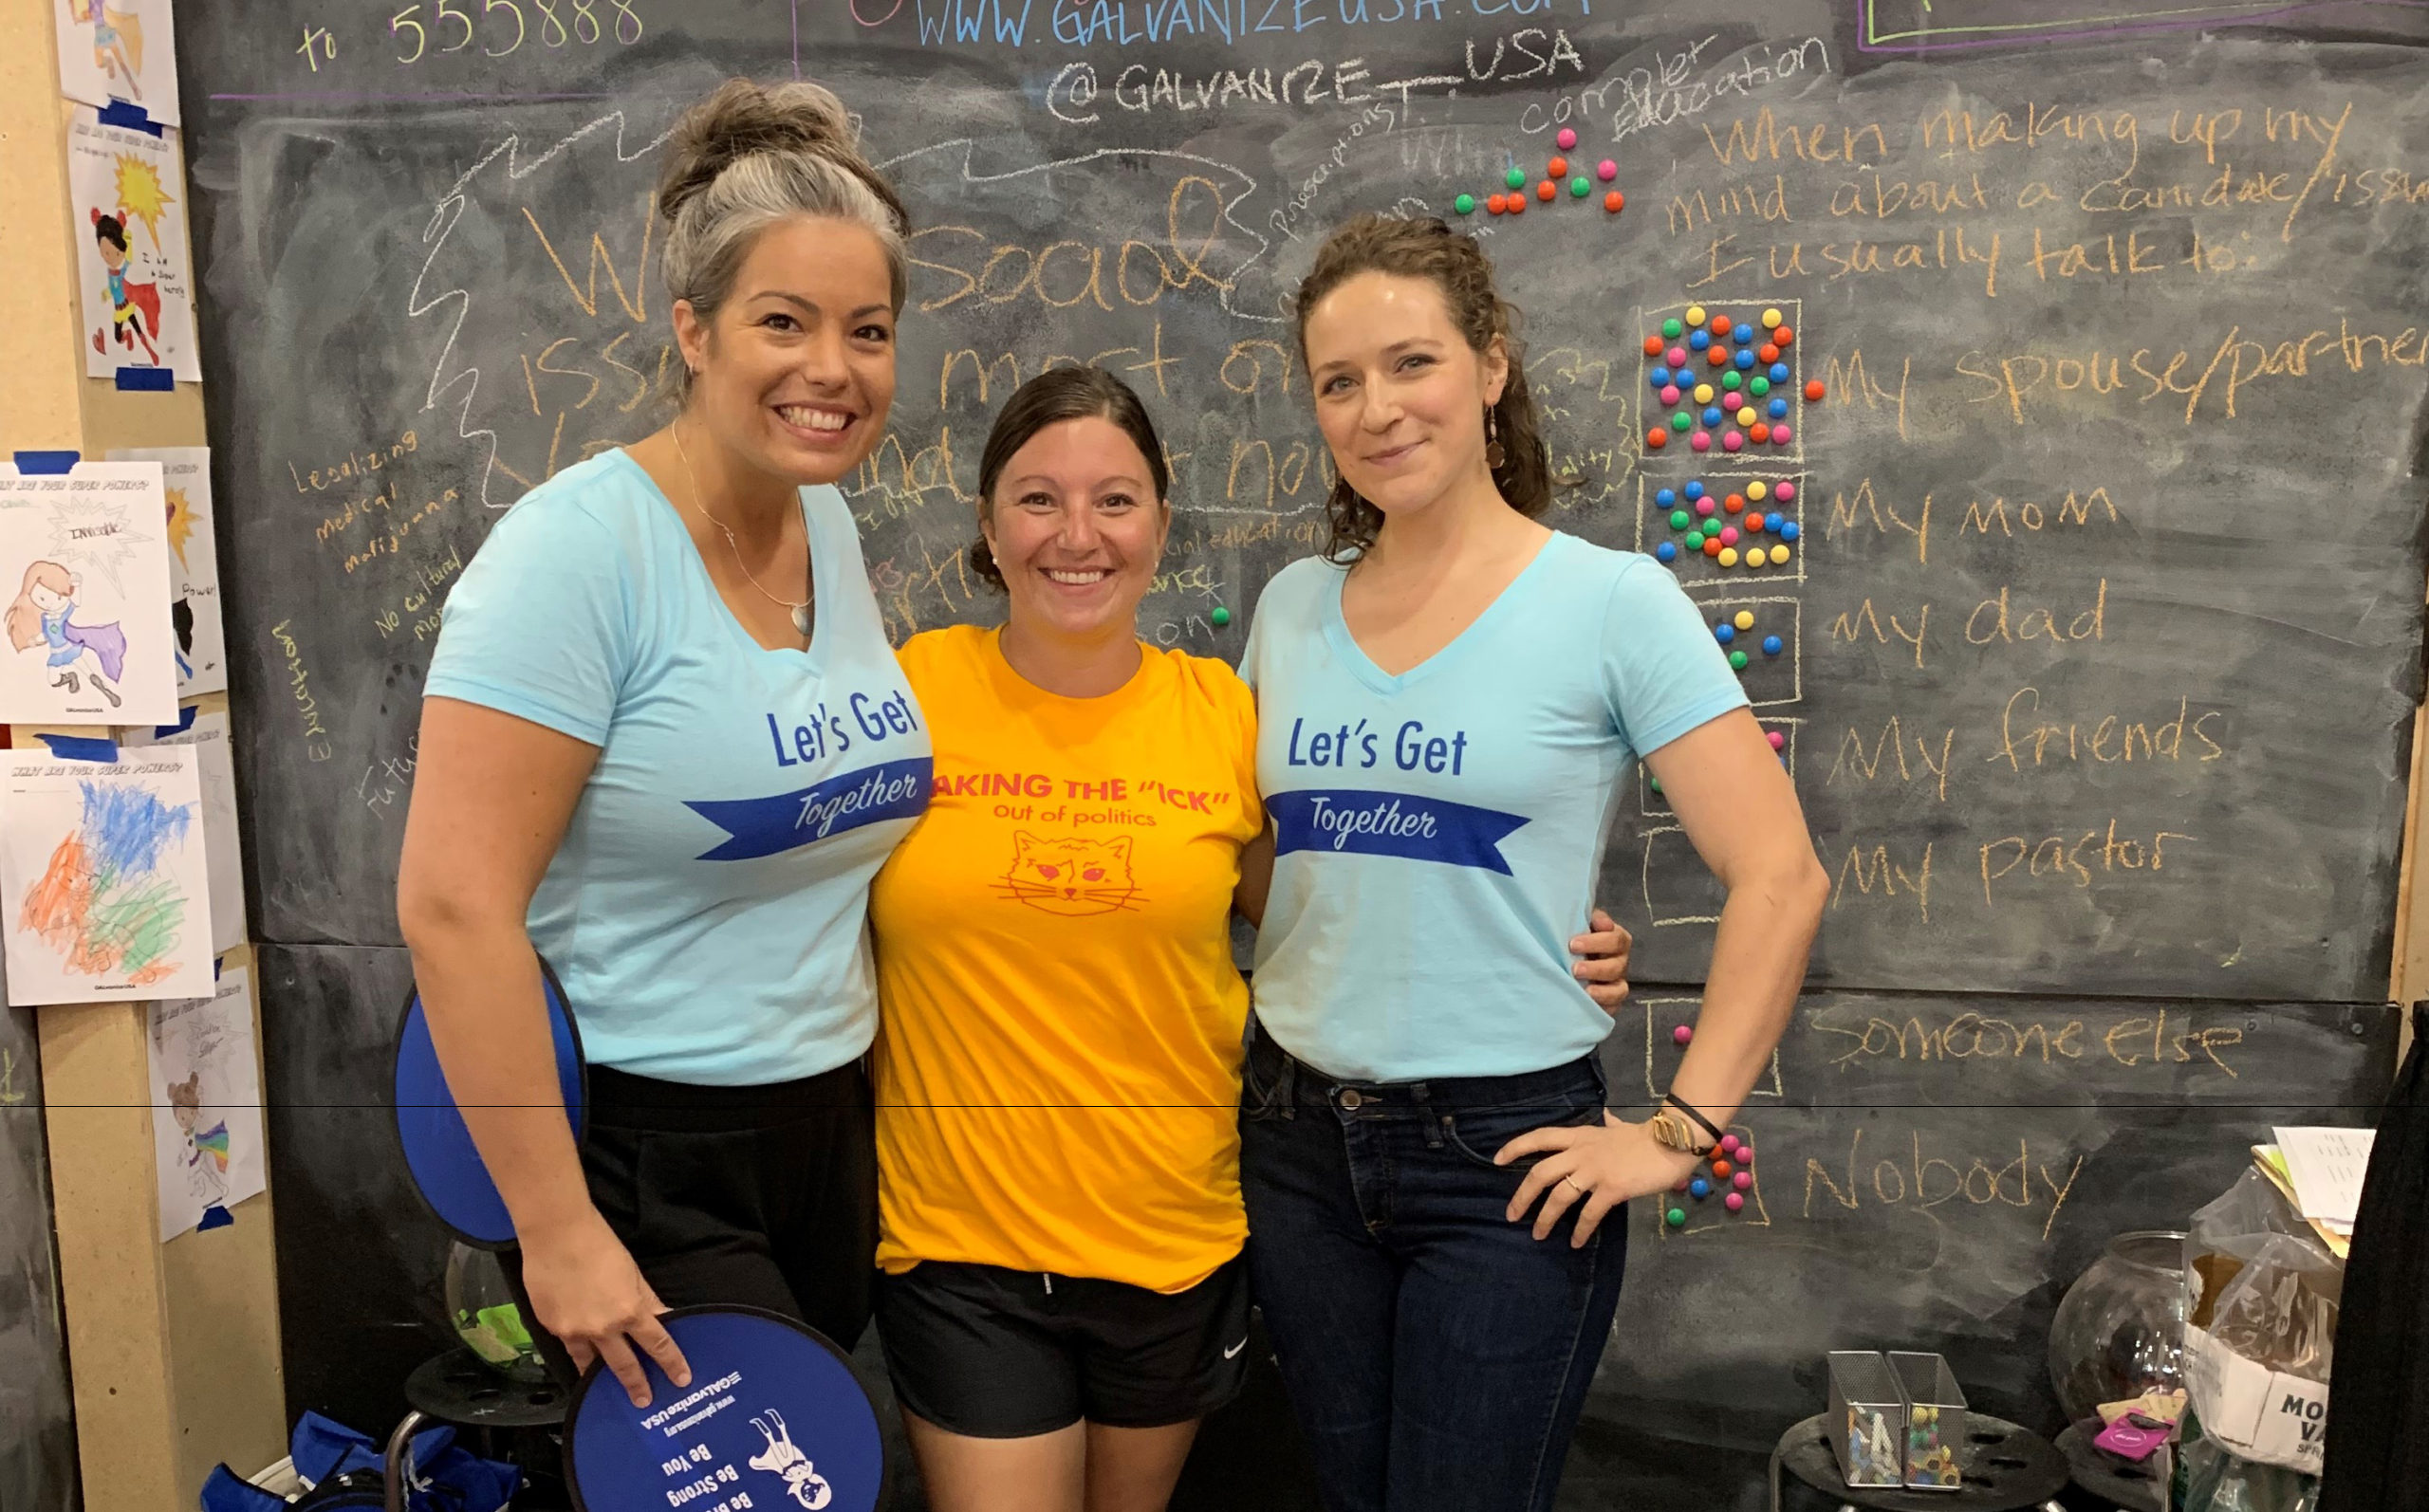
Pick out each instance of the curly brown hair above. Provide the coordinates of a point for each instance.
(1428, 249)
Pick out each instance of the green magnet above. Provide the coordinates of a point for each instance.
(1729, 379)
(1465, 204)
(1758, 385)
(1737, 660)
(1681, 420)
(1223, 616)
(1657, 783)
(1672, 329)
(1677, 1217)
(1580, 186)
(1681, 519)
(1515, 179)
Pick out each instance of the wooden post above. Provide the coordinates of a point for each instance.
(175, 1347)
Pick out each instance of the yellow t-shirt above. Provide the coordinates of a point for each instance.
(1058, 1067)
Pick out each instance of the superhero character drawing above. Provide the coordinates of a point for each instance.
(43, 617)
(118, 42)
(135, 308)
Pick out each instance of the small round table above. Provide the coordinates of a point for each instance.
(2007, 1469)
(457, 1389)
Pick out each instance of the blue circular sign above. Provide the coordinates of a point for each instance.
(440, 1153)
(775, 1420)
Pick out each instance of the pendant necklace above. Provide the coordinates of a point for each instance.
(801, 612)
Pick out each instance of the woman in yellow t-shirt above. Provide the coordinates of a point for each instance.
(1063, 1296)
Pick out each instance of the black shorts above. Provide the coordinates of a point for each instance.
(1000, 1354)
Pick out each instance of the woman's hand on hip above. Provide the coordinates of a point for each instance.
(1602, 961)
(588, 1292)
(1591, 1170)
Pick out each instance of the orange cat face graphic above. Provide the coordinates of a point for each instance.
(1070, 877)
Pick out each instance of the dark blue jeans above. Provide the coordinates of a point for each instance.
(1437, 1353)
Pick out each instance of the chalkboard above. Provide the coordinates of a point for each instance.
(37, 1411)
(2101, 641)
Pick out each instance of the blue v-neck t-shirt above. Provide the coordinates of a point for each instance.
(707, 910)
(1439, 833)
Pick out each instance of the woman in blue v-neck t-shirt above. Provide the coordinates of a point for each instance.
(665, 740)
(1446, 704)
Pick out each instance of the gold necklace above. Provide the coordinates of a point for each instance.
(802, 620)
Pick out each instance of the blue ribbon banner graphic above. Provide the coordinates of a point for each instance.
(1368, 823)
(768, 826)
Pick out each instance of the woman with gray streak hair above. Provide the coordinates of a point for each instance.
(665, 740)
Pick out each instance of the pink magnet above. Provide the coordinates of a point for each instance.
(1677, 356)
(1606, 170)
(1669, 394)
(1701, 441)
(1779, 741)
(1743, 1180)
(1567, 138)
(1729, 535)
(1780, 435)
(1733, 1201)
(1705, 505)
(1682, 1034)
(1785, 492)
(1728, 1144)
(1731, 441)
(1745, 1154)
(1682, 1185)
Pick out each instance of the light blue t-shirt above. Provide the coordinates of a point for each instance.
(1438, 833)
(707, 910)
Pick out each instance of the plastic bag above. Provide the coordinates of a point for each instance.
(2212, 1479)
(2260, 1327)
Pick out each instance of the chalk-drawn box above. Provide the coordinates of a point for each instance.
(1867, 1419)
(1935, 1420)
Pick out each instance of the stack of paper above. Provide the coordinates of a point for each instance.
(2320, 1171)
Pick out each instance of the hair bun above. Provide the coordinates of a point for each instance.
(742, 118)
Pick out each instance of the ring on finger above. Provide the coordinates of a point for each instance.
(1583, 1191)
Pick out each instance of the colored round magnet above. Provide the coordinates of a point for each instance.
(1545, 189)
(1669, 394)
(1757, 489)
(1515, 179)
(1580, 186)
(1682, 1034)
(1711, 546)
(1779, 555)
(1694, 487)
(1778, 739)
(1615, 202)
(1784, 491)
(1755, 557)
(1720, 324)
(1606, 170)
(1681, 420)
(1733, 1201)
(1778, 409)
(1653, 348)
(1737, 659)
(1677, 356)
(1778, 373)
(1567, 138)
(1729, 535)
(1676, 1217)
(1771, 647)
(1664, 498)
(1758, 385)
(1724, 634)
(1771, 319)
(1657, 439)
(1781, 336)
(1743, 619)
(1744, 361)
(1681, 519)
(1745, 416)
(1743, 336)
(1759, 433)
(1694, 315)
(1743, 1180)
(1465, 204)
(1712, 415)
(1221, 617)
(1781, 435)
(1703, 394)
(1704, 506)
(1745, 1154)
(1515, 204)
(1699, 1188)
(1788, 531)
(1731, 441)
(1699, 339)
(1672, 329)
(1813, 391)
(1557, 168)
(1766, 354)
(1700, 441)
(1668, 551)
(1495, 203)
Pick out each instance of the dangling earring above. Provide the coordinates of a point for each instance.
(1493, 455)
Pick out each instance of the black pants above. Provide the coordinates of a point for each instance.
(754, 1196)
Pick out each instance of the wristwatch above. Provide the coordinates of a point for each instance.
(1671, 1131)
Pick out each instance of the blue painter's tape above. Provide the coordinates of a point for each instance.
(82, 748)
(48, 463)
(146, 380)
(133, 117)
(214, 1216)
(185, 722)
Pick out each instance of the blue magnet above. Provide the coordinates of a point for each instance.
(1778, 409)
(1699, 1188)
(1724, 634)
(1668, 551)
(1661, 377)
(1695, 489)
(1666, 498)
(1743, 336)
(1744, 361)
(1771, 645)
(1787, 530)
(1698, 340)
(1711, 415)
(1779, 373)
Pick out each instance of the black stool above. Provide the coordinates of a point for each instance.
(459, 1388)
(2007, 1469)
